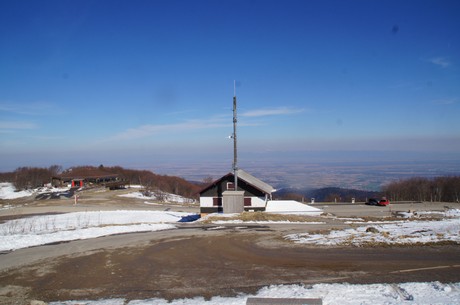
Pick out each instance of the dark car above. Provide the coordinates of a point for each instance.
(372, 201)
(382, 202)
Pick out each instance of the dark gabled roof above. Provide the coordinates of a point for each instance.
(246, 177)
(257, 183)
(86, 173)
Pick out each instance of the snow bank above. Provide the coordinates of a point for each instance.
(14, 242)
(291, 207)
(8, 191)
(344, 294)
(39, 230)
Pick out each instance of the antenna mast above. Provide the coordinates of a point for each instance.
(235, 156)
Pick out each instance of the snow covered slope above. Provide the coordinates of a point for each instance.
(291, 207)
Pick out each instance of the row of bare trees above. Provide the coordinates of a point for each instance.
(445, 189)
(31, 177)
(155, 182)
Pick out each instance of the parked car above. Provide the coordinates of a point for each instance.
(382, 202)
(372, 201)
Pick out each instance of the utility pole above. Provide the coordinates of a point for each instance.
(235, 155)
(233, 200)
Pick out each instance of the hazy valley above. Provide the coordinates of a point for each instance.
(303, 175)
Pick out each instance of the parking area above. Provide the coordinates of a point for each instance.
(362, 210)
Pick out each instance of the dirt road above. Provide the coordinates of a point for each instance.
(203, 262)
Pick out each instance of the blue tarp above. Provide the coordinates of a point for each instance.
(190, 218)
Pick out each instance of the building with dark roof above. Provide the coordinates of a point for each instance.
(256, 192)
(81, 176)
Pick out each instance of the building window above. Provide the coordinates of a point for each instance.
(247, 201)
(217, 201)
(230, 186)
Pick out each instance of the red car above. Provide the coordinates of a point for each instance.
(382, 202)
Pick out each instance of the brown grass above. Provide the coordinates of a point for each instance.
(263, 216)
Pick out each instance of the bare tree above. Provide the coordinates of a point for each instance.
(55, 170)
(445, 189)
(207, 180)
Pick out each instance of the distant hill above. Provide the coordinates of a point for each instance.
(31, 177)
(327, 194)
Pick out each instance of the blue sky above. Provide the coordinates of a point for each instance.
(132, 83)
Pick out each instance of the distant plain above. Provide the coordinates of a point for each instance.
(310, 175)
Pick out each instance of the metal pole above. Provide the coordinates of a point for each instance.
(235, 156)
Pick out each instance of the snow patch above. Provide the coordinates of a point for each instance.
(344, 294)
(8, 191)
(291, 207)
(39, 230)
(160, 196)
(403, 232)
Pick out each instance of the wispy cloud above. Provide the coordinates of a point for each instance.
(411, 85)
(15, 125)
(152, 129)
(36, 108)
(271, 111)
(449, 101)
(440, 61)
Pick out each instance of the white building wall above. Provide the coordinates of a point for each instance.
(206, 202)
(256, 202)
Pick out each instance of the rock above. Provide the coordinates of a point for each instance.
(372, 230)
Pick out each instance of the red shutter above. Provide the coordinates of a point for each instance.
(247, 201)
(216, 201)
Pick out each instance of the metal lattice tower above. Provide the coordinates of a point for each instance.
(235, 151)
